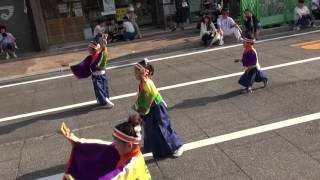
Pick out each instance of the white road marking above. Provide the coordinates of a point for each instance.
(161, 59)
(233, 136)
(10, 118)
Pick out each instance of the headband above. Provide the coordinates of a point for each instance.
(141, 68)
(129, 139)
(249, 40)
(94, 46)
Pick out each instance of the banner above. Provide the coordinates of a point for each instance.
(109, 7)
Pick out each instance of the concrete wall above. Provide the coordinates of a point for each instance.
(13, 16)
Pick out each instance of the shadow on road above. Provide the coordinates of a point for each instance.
(58, 115)
(203, 101)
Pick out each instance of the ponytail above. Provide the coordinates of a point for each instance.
(132, 127)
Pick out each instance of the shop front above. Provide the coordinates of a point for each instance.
(74, 20)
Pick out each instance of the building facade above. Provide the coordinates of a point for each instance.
(39, 24)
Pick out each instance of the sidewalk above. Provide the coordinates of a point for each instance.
(59, 59)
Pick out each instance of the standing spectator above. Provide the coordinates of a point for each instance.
(227, 26)
(133, 19)
(182, 13)
(252, 24)
(129, 32)
(208, 32)
(316, 8)
(8, 43)
(99, 30)
(302, 16)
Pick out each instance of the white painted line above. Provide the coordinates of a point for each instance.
(10, 118)
(235, 135)
(161, 59)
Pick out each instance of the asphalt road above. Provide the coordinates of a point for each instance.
(31, 146)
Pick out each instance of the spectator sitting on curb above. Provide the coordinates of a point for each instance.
(113, 31)
(251, 24)
(99, 30)
(8, 43)
(302, 16)
(129, 32)
(133, 19)
(316, 8)
(208, 32)
(227, 26)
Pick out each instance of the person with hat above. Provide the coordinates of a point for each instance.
(94, 65)
(227, 26)
(133, 19)
(302, 16)
(98, 159)
(252, 71)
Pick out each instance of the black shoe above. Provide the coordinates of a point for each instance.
(265, 83)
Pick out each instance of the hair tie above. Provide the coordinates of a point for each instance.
(138, 130)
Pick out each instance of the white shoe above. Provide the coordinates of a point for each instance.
(221, 42)
(14, 55)
(7, 56)
(178, 152)
(109, 104)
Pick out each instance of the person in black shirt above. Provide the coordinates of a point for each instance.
(252, 24)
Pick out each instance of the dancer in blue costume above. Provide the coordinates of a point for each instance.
(160, 138)
(251, 65)
(94, 65)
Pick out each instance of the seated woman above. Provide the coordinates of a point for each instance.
(208, 33)
(97, 159)
(113, 31)
(303, 18)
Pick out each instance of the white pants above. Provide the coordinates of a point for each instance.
(232, 31)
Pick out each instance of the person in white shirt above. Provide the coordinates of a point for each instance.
(99, 30)
(132, 16)
(208, 32)
(8, 43)
(302, 16)
(316, 8)
(129, 32)
(227, 26)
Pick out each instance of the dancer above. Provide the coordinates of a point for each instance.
(97, 159)
(160, 138)
(95, 65)
(252, 72)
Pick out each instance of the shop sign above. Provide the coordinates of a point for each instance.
(63, 8)
(78, 9)
(121, 12)
(109, 7)
(6, 12)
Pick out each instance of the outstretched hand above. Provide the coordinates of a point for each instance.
(67, 132)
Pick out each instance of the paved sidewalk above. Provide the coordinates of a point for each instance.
(59, 59)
